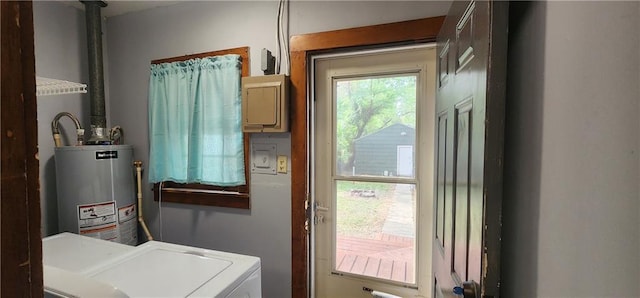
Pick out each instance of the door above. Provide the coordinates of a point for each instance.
(469, 149)
(404, 164)
(372, 226)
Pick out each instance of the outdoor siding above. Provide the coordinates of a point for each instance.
(377, 152)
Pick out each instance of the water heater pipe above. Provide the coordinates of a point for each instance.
(96, 72)
(116, 135)
(138, 165)
(56, 131)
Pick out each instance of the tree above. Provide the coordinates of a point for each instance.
(366, 105)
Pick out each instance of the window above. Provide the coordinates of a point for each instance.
(236, 196)
(374, 186)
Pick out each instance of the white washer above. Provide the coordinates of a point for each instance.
(80, 254)
(153, 269)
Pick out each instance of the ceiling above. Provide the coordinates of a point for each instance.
(120, 7)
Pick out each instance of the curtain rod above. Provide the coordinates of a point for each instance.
(239, 51)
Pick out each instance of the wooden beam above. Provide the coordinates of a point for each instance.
(21, 242)
(417, 31)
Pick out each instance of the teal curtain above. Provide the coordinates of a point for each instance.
(194, 122)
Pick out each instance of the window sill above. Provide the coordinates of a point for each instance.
(203, 197)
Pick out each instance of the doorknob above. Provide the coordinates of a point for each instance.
(318, 219)
(469, 289)
(320, 208)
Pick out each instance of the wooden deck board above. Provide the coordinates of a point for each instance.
(399, 271)
(386, 267)
(383, 256)
(359, 265)
(372, 267)
(347, 263)
(410, 277)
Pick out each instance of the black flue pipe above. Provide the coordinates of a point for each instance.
(96, 69)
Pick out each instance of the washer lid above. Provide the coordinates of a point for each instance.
(157, 269)
(63, 283)
(80, 254)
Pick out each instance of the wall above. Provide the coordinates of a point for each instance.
(193, 27)
(572, 203)
(61, 53)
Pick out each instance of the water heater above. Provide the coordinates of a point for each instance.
(96, 192)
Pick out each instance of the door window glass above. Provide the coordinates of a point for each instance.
(375, 190)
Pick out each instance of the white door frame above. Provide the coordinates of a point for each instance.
(312, 145)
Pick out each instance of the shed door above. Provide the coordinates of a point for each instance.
(469, 148)
(404, 161)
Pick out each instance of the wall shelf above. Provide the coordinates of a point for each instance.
(46, 86)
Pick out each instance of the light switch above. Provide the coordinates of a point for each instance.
(263, 159)
(282, 164)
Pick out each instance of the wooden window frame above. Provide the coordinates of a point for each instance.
(201, 194)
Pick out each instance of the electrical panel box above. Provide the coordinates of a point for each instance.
(265, 103)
